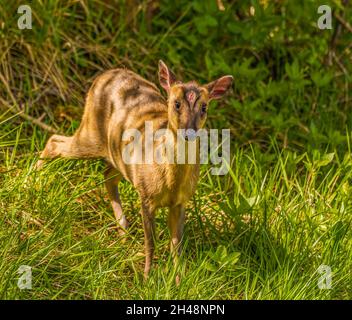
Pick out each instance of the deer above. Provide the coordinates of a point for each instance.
(118, 100)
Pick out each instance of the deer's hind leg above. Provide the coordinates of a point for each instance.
(68, 147)
(112, 178)
(57, 146)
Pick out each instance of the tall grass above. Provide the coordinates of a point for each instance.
(284, 219)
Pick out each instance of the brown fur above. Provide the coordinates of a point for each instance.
(119, 100)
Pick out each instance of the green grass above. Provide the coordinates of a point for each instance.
(284, 220)
(259, 232)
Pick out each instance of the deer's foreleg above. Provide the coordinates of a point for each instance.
(149, 237)
(176, 221)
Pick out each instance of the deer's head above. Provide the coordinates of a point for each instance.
(188, 102)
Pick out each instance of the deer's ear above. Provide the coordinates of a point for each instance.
(166, 77)
(219, 87)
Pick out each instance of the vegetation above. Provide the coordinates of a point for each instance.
(259, 232)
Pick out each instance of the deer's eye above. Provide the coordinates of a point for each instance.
(177, 105)
(204, 108)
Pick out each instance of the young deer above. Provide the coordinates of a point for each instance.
(119, 100)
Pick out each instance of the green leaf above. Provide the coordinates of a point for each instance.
(221, 253)
(233, 257)
(211, 267)
(325, 160)
(210, 21)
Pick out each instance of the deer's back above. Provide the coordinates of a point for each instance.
(118, 100)
(120, 94)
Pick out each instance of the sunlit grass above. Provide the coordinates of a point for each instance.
(283, 222)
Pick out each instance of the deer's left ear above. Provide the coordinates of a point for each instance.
(219, 87)
(166, 76)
